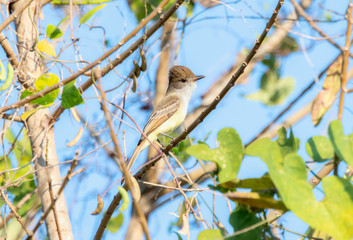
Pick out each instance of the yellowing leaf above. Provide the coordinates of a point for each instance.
(326, 97)
(46, 47)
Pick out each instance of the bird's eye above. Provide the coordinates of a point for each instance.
(183, 80)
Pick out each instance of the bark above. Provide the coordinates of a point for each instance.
(40, 133)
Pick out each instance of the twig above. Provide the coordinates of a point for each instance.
(66, 180)
(302, 13)
(128, 52)
(292, 103)
(121, 162)
(13, 209)
(12, 117)
(14, 15)
(54, 210)
(10, 53)
(108, 67)
(345, 53)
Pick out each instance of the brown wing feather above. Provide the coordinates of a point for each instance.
(161, 114)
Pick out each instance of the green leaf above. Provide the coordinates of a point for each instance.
(289, 174)
(53, 32)
(62, 20)
(212, 234)
(227, 156)
(90, 13)
(341, 143)
(255, 200)
(46, 47)
(242, 218)
(125, 198)
(255, 184)
(320, 148)
(9, 78)
(273, 89)
(2, 72)
(115, 223)
(71, 96)
(287, 145)
(44, 81)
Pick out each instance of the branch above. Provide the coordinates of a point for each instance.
(293, 102)
(122, 163)
(13, 209)
(66, 180)
(110, 66)
(302, 13)
(14, 15)
(8, 50)
(345, 53)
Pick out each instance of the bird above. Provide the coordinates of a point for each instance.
(172, 109)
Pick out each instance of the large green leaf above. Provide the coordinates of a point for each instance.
(242, 218)
(44, 81)
(227, 156)
(71, 96)
(289, 174)
(115, 223)
(320, 148)
(211, 234)
(341, 143)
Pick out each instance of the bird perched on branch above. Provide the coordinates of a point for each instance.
(172, 109)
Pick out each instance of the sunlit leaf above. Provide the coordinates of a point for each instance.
(341, 143)
(115, 223)
(125, 198)
(289, 174)
(27, 114)
(256, 184)
(327, 96)
(53, 32)
(46, 47)
(254, 199)
(9, 78)
(71, 96)
(90, 13)
(320, 148)
(227, 156)
(44, 81)
(212, 234)
(2, 72)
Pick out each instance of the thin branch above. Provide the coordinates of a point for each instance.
(302, 13)
(66, 180)
(121, 162)
(114, 63)
(14, 15)
(293, 102)
(10, 53)
(345, 53)
(13, 209)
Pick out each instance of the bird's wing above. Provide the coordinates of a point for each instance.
(164, 110)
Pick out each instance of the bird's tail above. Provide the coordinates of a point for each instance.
(136, 153)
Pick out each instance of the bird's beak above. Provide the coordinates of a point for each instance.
(198, 78)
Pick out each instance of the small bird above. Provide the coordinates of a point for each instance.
(172, 109)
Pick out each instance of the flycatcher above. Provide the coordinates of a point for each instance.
(172, 109)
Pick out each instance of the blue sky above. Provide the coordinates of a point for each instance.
(209, 47)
